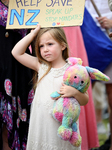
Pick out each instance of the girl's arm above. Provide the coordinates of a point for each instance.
(19, 50)
(68, 91)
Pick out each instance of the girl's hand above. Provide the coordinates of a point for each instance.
(68, 91)
(105, 22)
(36, 30)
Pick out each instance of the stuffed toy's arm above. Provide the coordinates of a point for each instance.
(55, 95)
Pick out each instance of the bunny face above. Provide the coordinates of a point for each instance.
(77, 77)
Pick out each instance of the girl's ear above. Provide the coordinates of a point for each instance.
(63, 47)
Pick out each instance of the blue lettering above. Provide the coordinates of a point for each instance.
(25, 3)
(29, 22)
(18, 2)
(38, 2)
(20, 18)
(50, 5)
(68, 2)
(31, 3)
(63, 3)
(56, 2)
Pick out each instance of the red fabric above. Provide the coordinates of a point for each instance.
(87, 120)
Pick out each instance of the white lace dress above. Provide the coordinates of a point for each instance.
(43, 128)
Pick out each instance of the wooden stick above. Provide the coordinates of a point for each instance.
(95, 7)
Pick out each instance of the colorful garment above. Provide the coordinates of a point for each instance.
(16, 92)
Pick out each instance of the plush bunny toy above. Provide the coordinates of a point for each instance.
(66, 110)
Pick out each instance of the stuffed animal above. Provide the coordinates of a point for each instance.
(67, 110)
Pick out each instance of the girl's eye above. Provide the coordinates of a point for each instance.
(40, 46)
(50, 43)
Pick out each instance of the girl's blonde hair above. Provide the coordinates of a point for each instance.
(59, 35)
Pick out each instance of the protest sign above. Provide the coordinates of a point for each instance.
(48, 13)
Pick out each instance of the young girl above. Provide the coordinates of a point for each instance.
(51, 49)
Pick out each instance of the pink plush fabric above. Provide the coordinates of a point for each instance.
(87, 120)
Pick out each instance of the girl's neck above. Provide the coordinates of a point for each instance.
(58, 65)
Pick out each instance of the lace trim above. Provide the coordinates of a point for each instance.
(56, 72)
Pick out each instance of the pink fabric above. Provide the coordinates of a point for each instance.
(30, 48)
(87, 120)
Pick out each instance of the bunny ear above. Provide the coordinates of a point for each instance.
(74, 60)
(96, 74)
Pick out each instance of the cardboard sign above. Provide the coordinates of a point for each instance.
(48, 13)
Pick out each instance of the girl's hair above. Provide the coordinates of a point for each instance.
(58, 35)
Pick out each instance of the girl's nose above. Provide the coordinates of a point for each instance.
(45, 48)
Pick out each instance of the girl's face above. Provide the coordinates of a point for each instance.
(50, 49)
